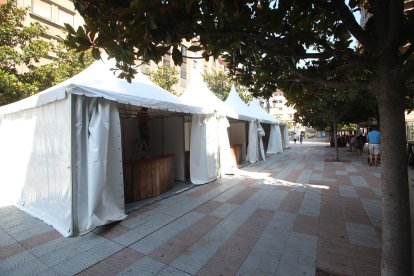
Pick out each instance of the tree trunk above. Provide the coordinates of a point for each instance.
(335, 134)
(396, 226)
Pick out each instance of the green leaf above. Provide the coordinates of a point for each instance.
(177, 56)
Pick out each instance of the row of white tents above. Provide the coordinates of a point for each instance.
(62, 150)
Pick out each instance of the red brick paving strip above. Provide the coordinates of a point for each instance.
(203, 189)
(10, 250)
(208, 207)
(142, 210)
(112, 230)
(354, 211)
(334, 250)
(29, 243)
(174, 247)
(233, 252)
(114, 264)
(367, 260)
(243, 195)
(306, 225)
(293, 175)
(292, 202)
(366, 193)
(247, 182)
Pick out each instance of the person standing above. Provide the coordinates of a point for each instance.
(373, 139)
(301, 138)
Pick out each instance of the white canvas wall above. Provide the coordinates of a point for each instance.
(98, 190)
(35, 163)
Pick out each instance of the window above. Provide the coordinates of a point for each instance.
(194, 64)
(280, 101)
(183, 68)
(65, 17)
(42, 8)
(280, 108)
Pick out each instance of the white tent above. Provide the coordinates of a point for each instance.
(245, 114)
(61, 155)
(210, 154)
(275, 144)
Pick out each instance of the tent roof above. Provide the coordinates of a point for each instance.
(98, 80)
(243, 111)
(260, 113)
(197, 93)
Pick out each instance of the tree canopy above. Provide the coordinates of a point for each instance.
(21, 49)
(166, 77)
(266, 43)
(220, 84)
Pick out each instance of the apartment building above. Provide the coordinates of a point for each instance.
(52, 14)
(276, 106)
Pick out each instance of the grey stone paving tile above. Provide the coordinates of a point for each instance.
(87, 258)
(329, 180)
(316, 177)
(224, 210)
(377, 174)
(172, 271)
(57, 244)
(311, 205)
(144, 266)
(30, 267)
(14, 218)
(197, 255)
(134, 222)
(304, 176)
(13, 263)
(350, 168)
(320, 166)
(344, 173)
(347, 191)
(5, 238)
(20, 231)
(49, 272)
(66, 250)
(134, 235)
(265, 255)
(364, 235)
(299, 257)
(358, 181)
(229, 193)
(155, 239)
(273, 201)
(373, 209)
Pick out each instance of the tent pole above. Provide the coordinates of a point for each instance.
(74, 173)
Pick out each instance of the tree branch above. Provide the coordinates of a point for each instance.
(324, 81)
(395, 19)
(349, 20)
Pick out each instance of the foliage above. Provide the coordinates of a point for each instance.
(220, 84)
(317, 106)
(21, 49)
(166, 77)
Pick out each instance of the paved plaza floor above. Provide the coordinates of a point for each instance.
(297, 213)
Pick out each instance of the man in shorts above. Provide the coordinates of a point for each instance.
(373, 138)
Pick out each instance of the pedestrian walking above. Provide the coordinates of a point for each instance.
(373, 139)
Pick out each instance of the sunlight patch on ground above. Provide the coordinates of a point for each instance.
(269, 180)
